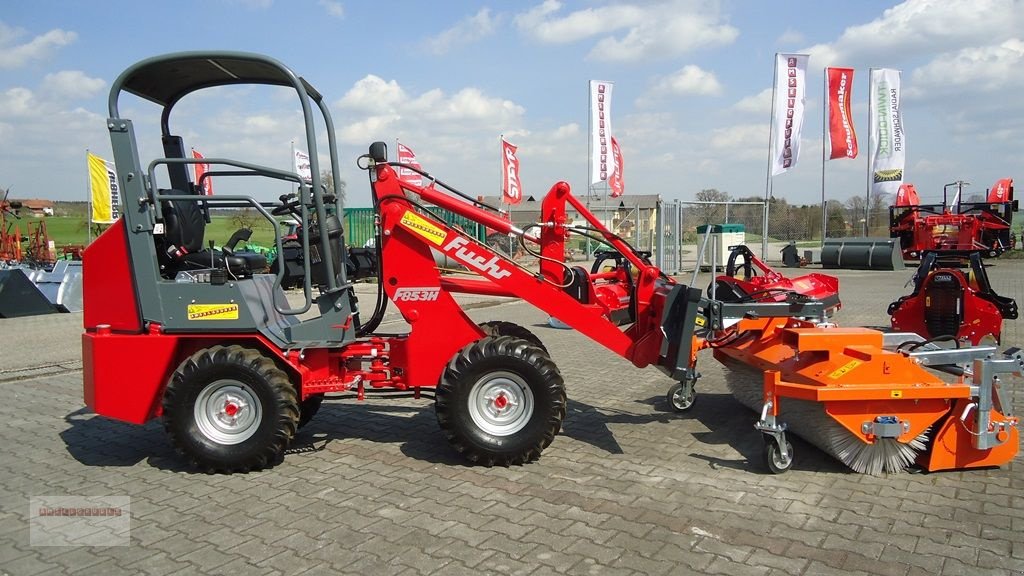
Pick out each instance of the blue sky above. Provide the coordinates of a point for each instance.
(692, 87)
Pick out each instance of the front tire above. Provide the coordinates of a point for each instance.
(502, 328)
(501, 401)
(230, 409)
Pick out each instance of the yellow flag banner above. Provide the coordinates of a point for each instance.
(103, 190)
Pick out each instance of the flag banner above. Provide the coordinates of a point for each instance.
(103, 190)
(406, 156)
(303, 167)
(888, 157)
(602, 164)
(205, 186)
(511, 187)
(842, 137)
(616, 182)
(1001, 192)
(790, 94)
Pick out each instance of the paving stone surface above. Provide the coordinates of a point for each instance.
(628, 487)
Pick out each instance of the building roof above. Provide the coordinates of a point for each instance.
(35, 203)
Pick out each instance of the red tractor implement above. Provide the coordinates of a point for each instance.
(747, 278)
(205, 341)
(953, 300)
(960, 226)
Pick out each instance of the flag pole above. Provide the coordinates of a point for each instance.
(768, 176)
(590, 150)
(826, 104)
(871, 159)
(88, 197)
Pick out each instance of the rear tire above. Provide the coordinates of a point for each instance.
(501, 328)
(308, 408)
(501, 401)
(230, 409)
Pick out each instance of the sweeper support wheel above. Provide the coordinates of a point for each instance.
(777, 460)
(681, 396)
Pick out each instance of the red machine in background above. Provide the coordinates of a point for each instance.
(748, 279)
(952, 299)
(980, 226)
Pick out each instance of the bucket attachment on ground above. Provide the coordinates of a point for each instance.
(862, 254)
(19, 296)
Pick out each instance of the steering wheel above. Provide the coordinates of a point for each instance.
(289, 202)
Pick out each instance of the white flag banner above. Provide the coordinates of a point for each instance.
(602, 162)
(788, 109)
(302, 166)
(888, 156)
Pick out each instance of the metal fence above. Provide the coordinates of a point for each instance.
(360, 223)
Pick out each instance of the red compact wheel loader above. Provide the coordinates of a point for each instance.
(205, 341)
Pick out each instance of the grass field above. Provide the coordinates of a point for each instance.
(65, 230)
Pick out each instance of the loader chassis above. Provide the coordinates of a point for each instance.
(207, 342)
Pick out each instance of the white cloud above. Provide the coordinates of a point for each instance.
(742, 141)
(15, 55)
(760, 103)
(985, 69)
(333, 8)
(466, 31)
(373, 93)
(71, 84)
(689, 79)
(918, 28)
(632, 32)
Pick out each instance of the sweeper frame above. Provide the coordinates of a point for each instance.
(206, 342)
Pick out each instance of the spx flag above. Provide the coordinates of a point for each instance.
(602, 162)
(790, 94)
(103, 190)
(406, 156)
(511, 187)
(842, 137)
(888, 155)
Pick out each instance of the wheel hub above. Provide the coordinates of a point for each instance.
(227, 412)
(501, 403)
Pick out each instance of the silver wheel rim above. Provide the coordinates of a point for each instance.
(777, 458)
(227, 412)
(681, 400)
(501, 403)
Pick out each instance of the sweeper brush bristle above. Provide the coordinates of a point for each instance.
(809, 421)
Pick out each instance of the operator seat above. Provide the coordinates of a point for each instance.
(181, 246)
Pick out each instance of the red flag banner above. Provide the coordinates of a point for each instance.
(406, 156)
(616, 182)
(206, 186)
(511, 187)
(841, 135)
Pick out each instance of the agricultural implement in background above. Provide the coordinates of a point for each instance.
(209, 345)
(747, 278)
(957, 226)
(953, 300)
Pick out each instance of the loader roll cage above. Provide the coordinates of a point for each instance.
(165, 80)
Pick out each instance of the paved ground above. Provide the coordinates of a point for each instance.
(372, 488)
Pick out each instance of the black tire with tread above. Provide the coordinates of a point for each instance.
(273, 389)
(502, 328)
(770, 454)
(500, 353)
(308, 408)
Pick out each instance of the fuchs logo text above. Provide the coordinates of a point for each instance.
(459, 247)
